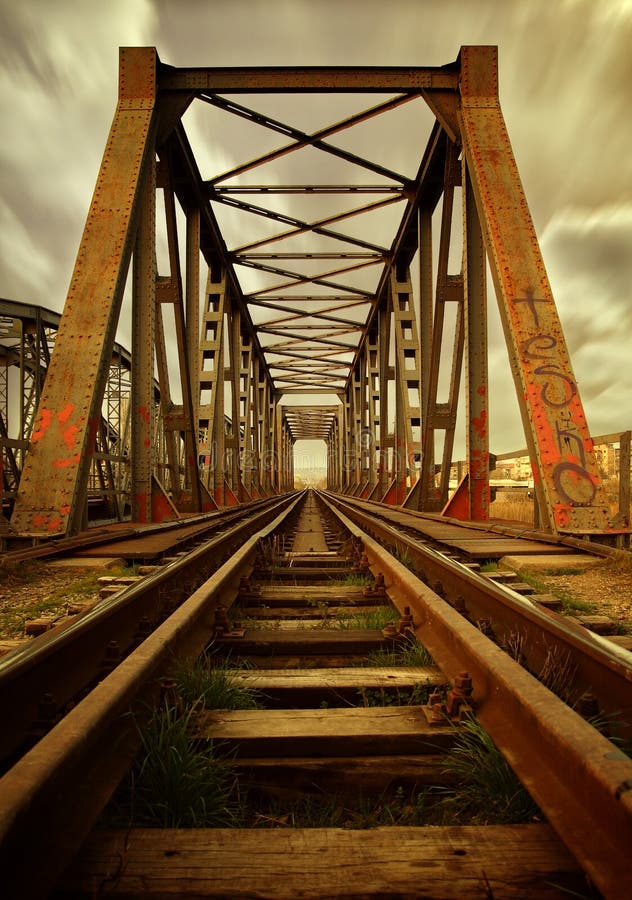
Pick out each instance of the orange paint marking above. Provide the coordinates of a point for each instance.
(39, 521)
(65, 509)
(144, 414)
(479, 424)
(66, 462)
(45, 418)
(66, 413)
(70, 436)
(54, 524)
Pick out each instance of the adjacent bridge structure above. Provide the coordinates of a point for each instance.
(311, 267)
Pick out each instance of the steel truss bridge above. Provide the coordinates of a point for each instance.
(329, 275)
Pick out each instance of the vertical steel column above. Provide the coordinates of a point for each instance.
(232, 375)
(475, 292)
(624, 478)
(246, 436)
(374, 432)
(348, 452)
(567, 481)
(192, 316)
(442, 416)
(211, 387)
(407, 380)
(426, 312)
(170, 419)
(182, 420)
(258, 396)
(143, 325)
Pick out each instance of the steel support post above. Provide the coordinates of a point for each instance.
(232, 377)
(246, 436)
(211, 388)
(339, 448)
(419, 491)
(143, 326)
(375, 399)
(348, 448)
(256, 485)
(407, 380)
(624, 478)
(53, 494)
(442, 416)
(181, 420)
(192, 315)
(567, 480)
(476, 384)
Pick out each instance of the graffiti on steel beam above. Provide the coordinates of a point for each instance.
(555, 389)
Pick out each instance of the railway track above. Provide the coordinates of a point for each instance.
(312, 739)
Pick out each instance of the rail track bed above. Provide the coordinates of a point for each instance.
(353, 733)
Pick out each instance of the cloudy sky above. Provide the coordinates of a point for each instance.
(566, 92)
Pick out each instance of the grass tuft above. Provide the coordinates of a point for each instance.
(208, 684)
(487, 789)
(176, 782)
(374, 618)
(411, 653)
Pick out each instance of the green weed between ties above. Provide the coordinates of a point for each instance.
(176, 783)
(487, 790)
(374, 618)
(210, 685)
(411, 653)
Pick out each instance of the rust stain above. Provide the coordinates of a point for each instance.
(562, 514)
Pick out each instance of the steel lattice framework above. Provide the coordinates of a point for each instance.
(338, 285)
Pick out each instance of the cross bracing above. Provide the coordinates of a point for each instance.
(330, 245)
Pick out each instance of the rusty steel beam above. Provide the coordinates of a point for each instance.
(332, 79)
(567, 480)
(476, 393)
(53, 492)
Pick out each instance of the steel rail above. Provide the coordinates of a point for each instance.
(41, 679)
(581, 781)
(594, 665)
(55, 545)
(53, 795)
